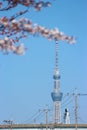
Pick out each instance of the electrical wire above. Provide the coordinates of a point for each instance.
(67, 101)
(31, 118)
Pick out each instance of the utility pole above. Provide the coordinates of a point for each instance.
(46, 112)
(76, 106)
(76, 109)
(9, 122)
(76, 95)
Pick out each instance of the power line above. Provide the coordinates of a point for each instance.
(67, 101)
(30, 119)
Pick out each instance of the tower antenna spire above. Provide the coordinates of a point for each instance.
(56, 54)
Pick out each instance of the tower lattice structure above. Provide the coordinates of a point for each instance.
(56, 94)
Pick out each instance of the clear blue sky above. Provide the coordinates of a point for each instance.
(26, 82)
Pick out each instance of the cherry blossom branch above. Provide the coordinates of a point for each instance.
(12, 31)
(15, 30)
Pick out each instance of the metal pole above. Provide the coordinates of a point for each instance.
(46, 112)
(76, 110)
(9, 122)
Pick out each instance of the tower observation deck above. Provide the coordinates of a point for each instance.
(56, 94)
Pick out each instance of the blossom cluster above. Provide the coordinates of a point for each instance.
(15, 30)
(27, 3)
